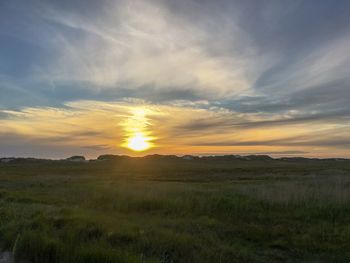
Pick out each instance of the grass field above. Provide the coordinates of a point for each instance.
(174, 210)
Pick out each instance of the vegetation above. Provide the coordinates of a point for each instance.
(168, 209)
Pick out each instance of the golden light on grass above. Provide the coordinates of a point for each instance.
(137, 130)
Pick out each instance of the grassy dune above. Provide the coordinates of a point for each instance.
(160, 210)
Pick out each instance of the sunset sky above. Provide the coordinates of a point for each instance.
(179, 77)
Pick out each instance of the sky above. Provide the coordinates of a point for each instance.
(178, 77)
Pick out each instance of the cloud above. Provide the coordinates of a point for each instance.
(183, 127)
(162, 51)
(283, 153)
(331, 138)
(216, 76)
(101, 147)
(138, 44)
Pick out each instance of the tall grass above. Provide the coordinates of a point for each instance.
(93, 214)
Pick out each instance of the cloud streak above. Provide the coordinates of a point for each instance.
(172, 127)
(240, 76)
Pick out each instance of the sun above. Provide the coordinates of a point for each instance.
(138, 130)
(138, 142)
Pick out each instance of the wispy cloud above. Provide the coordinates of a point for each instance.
(139, 44)
(174, 128)
(216, 76)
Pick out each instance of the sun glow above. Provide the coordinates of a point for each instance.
(137, 130)
(139, 142)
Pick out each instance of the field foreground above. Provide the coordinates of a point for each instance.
(167, 209)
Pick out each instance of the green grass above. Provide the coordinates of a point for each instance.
(176, 211)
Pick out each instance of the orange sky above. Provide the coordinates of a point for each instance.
(100, 127)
